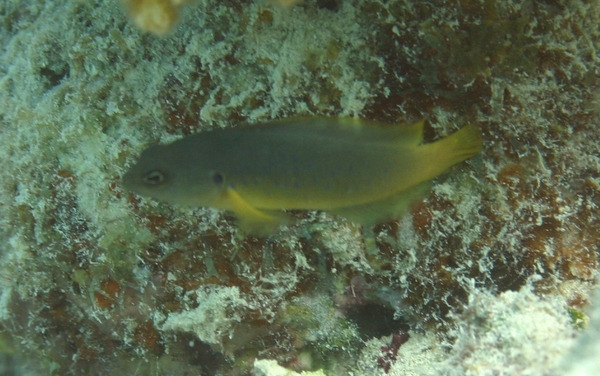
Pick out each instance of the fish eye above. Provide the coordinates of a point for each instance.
(218, 178)
(154, 178)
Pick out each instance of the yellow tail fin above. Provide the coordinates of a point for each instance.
(462, 145)
(451, 150)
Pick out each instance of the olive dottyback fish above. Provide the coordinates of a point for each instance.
(362, 170)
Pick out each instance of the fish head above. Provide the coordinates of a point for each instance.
(167, 174)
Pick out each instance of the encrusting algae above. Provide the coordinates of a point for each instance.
(362, 170)
(98, 281)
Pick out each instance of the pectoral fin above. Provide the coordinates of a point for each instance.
(252, 220)
(389, 208)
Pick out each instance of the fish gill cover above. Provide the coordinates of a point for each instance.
(490, 274)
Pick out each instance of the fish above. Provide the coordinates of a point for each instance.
(365, 171)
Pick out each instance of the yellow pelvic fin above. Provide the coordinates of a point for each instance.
(252, 220)
(389, 208)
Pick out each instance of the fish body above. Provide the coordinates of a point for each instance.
(363, 170)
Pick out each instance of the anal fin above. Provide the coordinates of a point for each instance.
(389, 208)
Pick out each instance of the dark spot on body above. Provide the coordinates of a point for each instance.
(218, 178)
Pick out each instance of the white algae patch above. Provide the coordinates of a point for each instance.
(492, 272)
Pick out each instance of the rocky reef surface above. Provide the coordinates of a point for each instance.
(491, 274)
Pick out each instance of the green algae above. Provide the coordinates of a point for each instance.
(579, 319)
